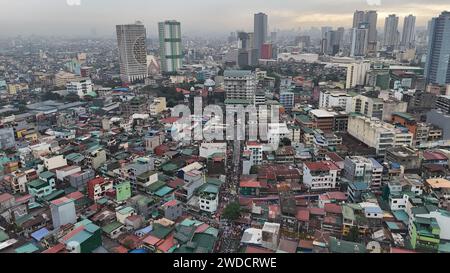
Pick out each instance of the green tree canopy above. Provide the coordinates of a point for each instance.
(232, 211)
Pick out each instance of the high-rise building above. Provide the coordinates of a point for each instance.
(131, 40)
(437, 68)
(260, 31)
(331, 43)
(391, 34)
(359, 40)
(240, 86)
(409, 32)
(266, 51)
(369, 18)
(170, 48)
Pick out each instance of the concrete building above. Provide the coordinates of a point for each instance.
(440, 119)
(170, 47)
(7, 139)
(405, 156)
(391, 33)
(240, 86)
(378, 134)
(368, 106)
(131, 41)
(287, 99)
(362, 169)
(359, 40)
(437, 70)
(334, 98)
(409, 32)
(55, 162)
(321, 175)
(63, 212)
(259, 32)
(271, 235)
(369, 18)
(356, 74)
(81, 88)
(159, 105)
(443, 104)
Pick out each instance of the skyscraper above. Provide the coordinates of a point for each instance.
(131, 40)
(437, 68)
(170, 48)
(391, 34)
(409, 29)
(260, 32)
(359, 40)
(369, 18)
(331, 43)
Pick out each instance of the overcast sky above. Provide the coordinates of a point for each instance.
(47, 17)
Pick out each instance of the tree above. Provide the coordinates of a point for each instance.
(353, 235)
(285, 142)
(51, 96)
(72, 97)
(232, 211)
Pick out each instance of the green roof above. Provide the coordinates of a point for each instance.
(160, 231)
(47, 174)
(28, 248)
(111, 227)
(75, 157)
(169, 167)
(156, 186)
(37, 184)
(163, 191)
(348, 213)
(211, 189)
(126, 210)
(205, 242)
(3, 236)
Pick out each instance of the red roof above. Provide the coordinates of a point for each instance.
(321, 166)
(151, 240)
(55, 249)
(255, 249)
(178, 182)
(96, 181)
(317, 211)
(337, 195)
(202, 228)
(5, 197)
(335, 157)
(251, 184)
(308, 244)
(401, 250)
(167, 244)
(170, 120)
(171, 203)
(75, 195)
(434, 155)
(120, 249)
(333, 208)
(302, 215)
(274, 210)
(61, 200)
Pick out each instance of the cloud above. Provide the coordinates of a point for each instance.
(197, 16)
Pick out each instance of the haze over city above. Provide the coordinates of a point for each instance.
(199, 17)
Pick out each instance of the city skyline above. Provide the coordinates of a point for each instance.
(61, 17)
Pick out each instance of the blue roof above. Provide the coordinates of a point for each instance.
(373, 210)
(139, 250)
(360, 186)
(121, 89)
(375, 163)
(145, 230)
(39, 234)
